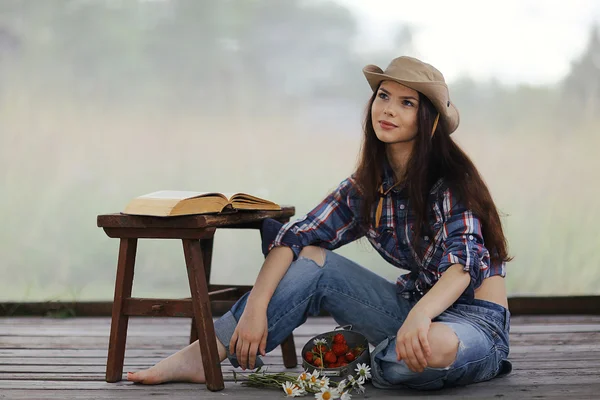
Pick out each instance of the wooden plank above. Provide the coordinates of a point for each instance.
(519, 322)
(82, 329)
(167, 322)
(554, 319)
(555, 305)
(587, 311)
(272, 362)
(545, 377)
(575, 352)
(185, 392)
(160, 233)
(520, 359)
(151, 342)
(180, 308)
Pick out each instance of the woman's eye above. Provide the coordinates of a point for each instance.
(383, 96)
(408, 103)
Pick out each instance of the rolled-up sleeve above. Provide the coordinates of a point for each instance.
(462, 242)
(330, 225)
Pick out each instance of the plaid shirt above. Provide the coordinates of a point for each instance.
(457, 236)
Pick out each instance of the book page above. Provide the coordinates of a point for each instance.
(178, 194)
(248, 198)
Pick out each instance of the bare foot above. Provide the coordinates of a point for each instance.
(183, 366)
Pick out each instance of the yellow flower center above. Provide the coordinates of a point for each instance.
(288, 390)
(303, 376)
(313, 379)
(326, 396)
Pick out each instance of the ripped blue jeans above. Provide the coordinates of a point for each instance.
(370, 303)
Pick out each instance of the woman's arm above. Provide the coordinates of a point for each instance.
(331, 224)
(412, 344)
(459, 272)
(444, 293)
(274, 268)
(250, 334)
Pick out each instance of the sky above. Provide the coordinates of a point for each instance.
(514, 41)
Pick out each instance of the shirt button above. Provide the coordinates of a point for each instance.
(426, 238)
(470, 237)
(404, 242)
(402, 206)
(405, 295)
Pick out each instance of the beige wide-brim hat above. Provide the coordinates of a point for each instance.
(423, 78)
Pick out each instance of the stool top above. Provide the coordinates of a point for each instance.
(196, 221)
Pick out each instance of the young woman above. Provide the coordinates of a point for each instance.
(419, 200)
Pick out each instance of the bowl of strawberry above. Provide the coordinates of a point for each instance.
(336, 353)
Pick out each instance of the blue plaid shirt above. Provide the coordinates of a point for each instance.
(457, 236)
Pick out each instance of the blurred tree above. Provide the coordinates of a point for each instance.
(582, 85)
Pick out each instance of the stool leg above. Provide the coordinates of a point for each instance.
(118, 326)
(202, 314)
(207, 249)
(289, 352)
(193, 331)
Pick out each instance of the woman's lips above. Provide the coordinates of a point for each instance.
(387, 125)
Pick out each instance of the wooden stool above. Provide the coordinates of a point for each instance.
(197, 233)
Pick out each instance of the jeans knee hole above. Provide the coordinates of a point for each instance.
(317, 257)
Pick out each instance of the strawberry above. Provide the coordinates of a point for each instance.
(349, 356)
(334, 365)
(320, 348)
(330, 357)
(341, 359)
(342, 364)
(339, 338)
(308, 356)
(318, 362)
(339, 348)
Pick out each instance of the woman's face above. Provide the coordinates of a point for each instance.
(394, 113)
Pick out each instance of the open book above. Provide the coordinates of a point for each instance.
(169, 203)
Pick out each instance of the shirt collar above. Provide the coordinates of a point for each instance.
(389, 179)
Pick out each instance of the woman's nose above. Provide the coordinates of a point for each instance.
(389, 111)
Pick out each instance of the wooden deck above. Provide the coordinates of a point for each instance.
(44, 358)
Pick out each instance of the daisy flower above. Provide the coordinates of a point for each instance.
(345, 396)
(359, 387)
(327, 394)
(342, 385)
(356, 384)
(313, 379)
(363, 370)
(291, 389)
(319, 341)
(303, 378)
(324, 382)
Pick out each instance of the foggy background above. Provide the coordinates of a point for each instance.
(105, 100)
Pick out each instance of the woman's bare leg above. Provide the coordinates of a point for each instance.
(183, 366)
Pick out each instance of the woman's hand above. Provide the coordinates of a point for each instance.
(412, 345)
(249, 336)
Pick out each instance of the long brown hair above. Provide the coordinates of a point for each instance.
(432, 158)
